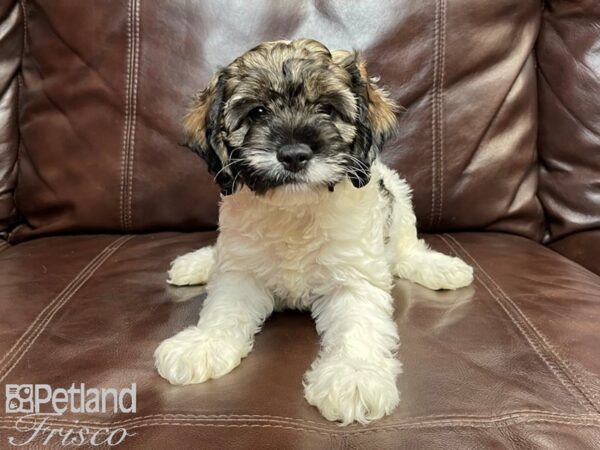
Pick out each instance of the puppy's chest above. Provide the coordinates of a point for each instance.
(292, 251)
(288, 254)
(304, 252)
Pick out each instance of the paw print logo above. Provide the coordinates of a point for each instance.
(19, 398)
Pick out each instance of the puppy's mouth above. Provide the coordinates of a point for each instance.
(262, 171)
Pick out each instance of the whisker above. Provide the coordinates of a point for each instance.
(233, 185)
(233, 162)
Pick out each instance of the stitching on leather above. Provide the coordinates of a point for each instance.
(534, 337)
(567, 368)
(39, 324)
(16, 346)
(552, 365)
(546, 415)
(437, 131)
(440, 152)
(126, 124)
(50, 305)
(265, 417)
(434, 112)
(499, 422)
(333, 433)
(50, 310)
(131, 150)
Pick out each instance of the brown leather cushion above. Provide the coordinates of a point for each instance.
(105, 89)
(508, 362)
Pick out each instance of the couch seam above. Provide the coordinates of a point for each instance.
(44, 317)
(266, 417)
(500, 422)
(441, 114)
(123, 165)
(129, 128)
(569, 371)
(439, 56)
(333, 433)
(52, 303)
(136, 60)
(557, 365)
(433, 113)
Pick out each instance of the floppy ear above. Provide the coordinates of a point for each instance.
(376, 114)
(203, 129)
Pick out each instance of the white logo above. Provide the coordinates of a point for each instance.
(19, 398)
(36, 404)
(36, 398)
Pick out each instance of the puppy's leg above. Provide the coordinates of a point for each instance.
(233, 312)
(192, 268)
(354, 376)
(432, 269)
(412, 259)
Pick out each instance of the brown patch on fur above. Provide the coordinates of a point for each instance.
(195, 120)
(382, 109)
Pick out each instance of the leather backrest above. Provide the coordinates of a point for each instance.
(11, 46)
(569, 135)
(106, 88)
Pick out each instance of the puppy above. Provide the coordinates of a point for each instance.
(309, 219)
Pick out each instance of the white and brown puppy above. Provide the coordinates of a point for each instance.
(309, 219)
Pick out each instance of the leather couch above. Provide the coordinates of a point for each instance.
(500, 141)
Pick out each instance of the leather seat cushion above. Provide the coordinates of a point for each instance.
(507, 361)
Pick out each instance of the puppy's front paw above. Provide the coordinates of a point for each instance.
(194, 356)
(192, 268)
(353, 390)
(435, 270)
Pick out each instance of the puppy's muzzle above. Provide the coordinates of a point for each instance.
(294, 157)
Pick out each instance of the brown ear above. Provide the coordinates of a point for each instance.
(381, 108)
(375, 119)
(202, 126)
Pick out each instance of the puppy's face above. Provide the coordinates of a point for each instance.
(290, 113)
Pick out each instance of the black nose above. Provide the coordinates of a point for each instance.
(294, 157)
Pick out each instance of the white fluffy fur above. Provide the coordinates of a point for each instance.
(192, 268)
(334, 253)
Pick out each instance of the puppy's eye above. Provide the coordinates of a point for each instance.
(326, 109)
(258, 112)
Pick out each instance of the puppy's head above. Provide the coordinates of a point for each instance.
(290, 113)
